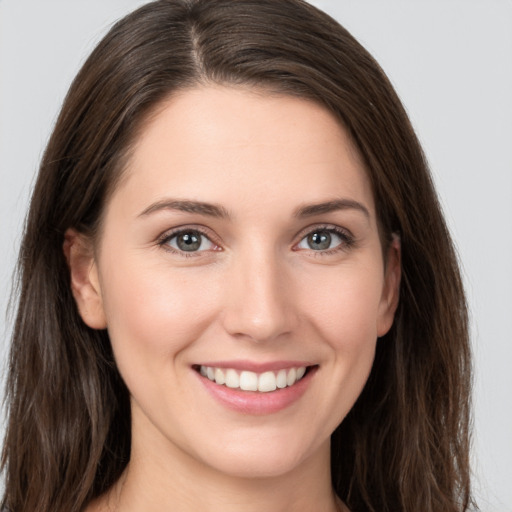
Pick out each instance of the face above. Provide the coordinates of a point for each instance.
(240, 275)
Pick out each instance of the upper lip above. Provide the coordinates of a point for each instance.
(256, 367)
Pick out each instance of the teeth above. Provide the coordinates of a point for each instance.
(281, 380)
(232, 379)
(220, 378)
(251, 381)
(291, 377)
(267, 382)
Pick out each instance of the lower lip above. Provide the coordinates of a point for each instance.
(254, 402)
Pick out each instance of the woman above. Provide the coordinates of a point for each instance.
(236, 286)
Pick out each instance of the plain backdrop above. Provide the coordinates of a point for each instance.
(451, 63)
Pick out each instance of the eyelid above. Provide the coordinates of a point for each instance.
(348, 238)
(323, 226)
(344, 233)
(163, 239)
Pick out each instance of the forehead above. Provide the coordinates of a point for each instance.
(217, 143)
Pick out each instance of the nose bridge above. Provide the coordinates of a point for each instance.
(259, 305)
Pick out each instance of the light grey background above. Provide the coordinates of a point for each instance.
(451, 62)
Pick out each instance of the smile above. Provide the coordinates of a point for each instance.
(252, 381)
(253, 388)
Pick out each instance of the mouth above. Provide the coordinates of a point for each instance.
(262, 382)
(256, 389)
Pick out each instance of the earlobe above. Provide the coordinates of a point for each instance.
(391, 290)
(85, 284)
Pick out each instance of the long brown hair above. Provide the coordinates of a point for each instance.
(404, 447)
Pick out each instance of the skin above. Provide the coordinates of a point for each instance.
(256, 290)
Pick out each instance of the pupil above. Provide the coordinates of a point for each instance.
(319, 240)
(189, 242)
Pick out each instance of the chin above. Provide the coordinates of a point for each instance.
(262, 457)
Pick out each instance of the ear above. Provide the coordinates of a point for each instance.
(391, 289)
(85, 284)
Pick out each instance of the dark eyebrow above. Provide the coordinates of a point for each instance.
(211, 210)
(331, 206)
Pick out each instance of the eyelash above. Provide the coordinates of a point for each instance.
(348, 240)
(163, 240)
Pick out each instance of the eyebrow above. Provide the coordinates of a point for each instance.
(331, 206)
(211, 210)
(218, 211)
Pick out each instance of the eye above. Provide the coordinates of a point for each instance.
(190, 240)
(325, 239)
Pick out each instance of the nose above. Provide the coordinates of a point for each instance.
(259, 303)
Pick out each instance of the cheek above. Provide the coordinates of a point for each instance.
(342, 311)
(154, 312)
(344, 304)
